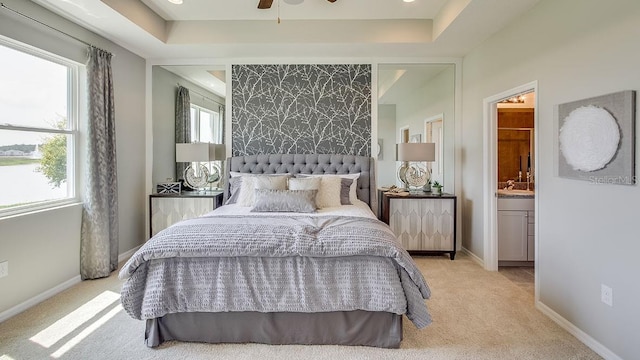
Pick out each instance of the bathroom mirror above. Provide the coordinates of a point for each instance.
(207, 92)
(416, 101)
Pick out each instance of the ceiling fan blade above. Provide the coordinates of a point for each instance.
(265, 4)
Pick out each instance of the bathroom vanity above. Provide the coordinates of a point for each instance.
(516, 225)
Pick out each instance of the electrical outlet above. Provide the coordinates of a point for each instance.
(4, 269)
(606, 294)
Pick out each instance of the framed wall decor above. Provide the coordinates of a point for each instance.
(596, 139)
(415, 138)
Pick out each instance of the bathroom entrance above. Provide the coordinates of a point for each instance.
(510, 188)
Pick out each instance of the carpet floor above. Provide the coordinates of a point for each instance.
(476, 315)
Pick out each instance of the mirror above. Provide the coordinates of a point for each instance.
(416, 102)
(207, 92)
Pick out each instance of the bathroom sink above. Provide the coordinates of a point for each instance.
(516, 192)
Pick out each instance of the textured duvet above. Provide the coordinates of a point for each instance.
(269, 263)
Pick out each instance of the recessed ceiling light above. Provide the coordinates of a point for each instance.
(177, 2)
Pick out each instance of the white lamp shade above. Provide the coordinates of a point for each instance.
(416, 152)
(199, 152)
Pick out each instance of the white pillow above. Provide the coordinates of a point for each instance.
(251, 182)
(329, 192)
(353, 194)
(311, 183)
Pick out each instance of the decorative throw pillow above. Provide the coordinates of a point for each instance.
(353, 195)
(268, 200)
(251, 182)
(304, 183)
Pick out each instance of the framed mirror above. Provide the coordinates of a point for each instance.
(204, 114)
(416, 101)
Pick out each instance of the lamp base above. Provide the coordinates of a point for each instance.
(197, 180)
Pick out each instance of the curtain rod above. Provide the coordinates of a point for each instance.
(50, 27)
(203, 96)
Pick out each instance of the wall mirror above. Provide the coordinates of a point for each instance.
(416, 102)
(207, 93)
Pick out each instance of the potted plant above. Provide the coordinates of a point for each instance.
(437, 188)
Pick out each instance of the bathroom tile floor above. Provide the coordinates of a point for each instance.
(524, 277)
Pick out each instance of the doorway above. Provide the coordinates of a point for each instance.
(491, 183)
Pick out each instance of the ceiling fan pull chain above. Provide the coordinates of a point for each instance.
(278, 11)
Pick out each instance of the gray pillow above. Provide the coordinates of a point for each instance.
(345, 187)
(235, 183)
(268, 200)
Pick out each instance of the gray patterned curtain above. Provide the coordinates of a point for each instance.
(99, 242)
(183, 124)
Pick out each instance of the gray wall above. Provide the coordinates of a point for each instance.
(164, 90)
(588, 233)
(301, 109)
(43, 247)
(386, 166)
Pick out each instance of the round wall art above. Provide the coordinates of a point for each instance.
(589, 138)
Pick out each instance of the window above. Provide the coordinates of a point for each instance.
(205, 125)
(38, 128)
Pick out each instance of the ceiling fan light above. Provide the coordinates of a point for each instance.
(408, 1)
(177, 2)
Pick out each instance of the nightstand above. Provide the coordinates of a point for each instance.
(424, 223)
(168, 209)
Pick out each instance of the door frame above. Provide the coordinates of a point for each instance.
(490, 175)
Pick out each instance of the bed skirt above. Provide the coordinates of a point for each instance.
(379, 329)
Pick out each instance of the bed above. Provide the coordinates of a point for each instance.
(332, 276)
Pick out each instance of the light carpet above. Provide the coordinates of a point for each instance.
(476, 315)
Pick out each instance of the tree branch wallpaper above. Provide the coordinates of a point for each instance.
(302, 109)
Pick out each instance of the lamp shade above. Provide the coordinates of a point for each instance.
(199, 152)
(416, 152)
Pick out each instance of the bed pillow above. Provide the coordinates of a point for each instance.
(308, 183)
(234, 189)
(251, 182)
(267, 200)
(353, 195)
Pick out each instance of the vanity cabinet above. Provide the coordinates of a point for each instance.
(516, 224)
(424, 223)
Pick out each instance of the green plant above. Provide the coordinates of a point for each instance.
(436, 185)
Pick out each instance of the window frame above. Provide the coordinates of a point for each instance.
(195, 123)
(74, 88)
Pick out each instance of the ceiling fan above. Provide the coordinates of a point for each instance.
(266, 4)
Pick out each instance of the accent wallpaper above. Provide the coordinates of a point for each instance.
(304, 109)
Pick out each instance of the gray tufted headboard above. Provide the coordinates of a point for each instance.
(308, 164)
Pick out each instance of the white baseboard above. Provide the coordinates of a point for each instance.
(127, 254)
(53, 291)
(473, 256)
(579, 334)
(39, 298)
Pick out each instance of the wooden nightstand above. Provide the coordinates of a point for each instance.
(424, 223)
(168, 209)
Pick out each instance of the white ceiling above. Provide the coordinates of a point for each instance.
(216, 31)
(236, 29)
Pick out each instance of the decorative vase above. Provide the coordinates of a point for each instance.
(437, 191)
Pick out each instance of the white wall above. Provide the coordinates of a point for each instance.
(588, 234)
(164, 91)
(435, 97)
(43, 247)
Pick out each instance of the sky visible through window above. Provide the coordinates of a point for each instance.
(33, 92)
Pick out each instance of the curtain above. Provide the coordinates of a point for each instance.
(99, 237)
(183, 124)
